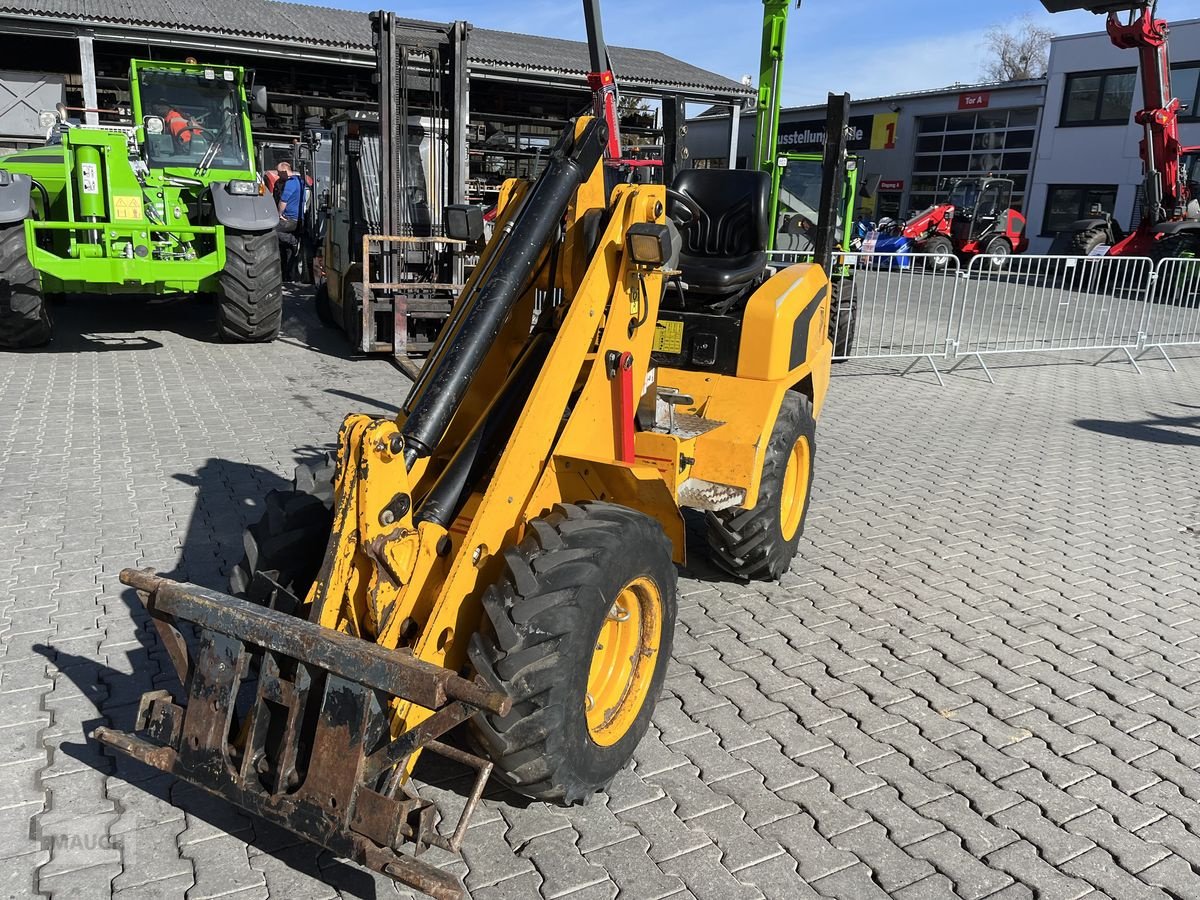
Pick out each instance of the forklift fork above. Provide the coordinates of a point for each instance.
(305, 742)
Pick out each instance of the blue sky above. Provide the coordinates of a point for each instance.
(867, 47)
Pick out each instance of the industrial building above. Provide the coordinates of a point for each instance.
(317, 62)
(912, 141)
(1068, 140)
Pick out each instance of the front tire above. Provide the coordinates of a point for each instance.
(285, 548)
(941, 250)
(250, 294)
(324, 305)
(581, 629)
(759, 543)
(24, 318)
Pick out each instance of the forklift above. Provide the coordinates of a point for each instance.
(1170, 222)
(390, 270)
(501, 554)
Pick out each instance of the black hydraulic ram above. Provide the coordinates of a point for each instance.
(492, 298)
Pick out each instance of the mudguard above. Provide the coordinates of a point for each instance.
(16, 197)
(244, 212)
(1177, 227)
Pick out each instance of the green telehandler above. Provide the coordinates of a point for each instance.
(168, 203)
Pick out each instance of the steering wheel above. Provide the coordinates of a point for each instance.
(683, 204)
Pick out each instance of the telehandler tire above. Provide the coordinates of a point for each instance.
(24, 318)
(759, 543)
(286, 546)
(250, 297)
(580, 638)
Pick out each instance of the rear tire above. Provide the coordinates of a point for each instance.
(550, 615)
(843, 317)
(287, 545)
(250, 295)
(759, 543)
(24, 318)
(941, 250)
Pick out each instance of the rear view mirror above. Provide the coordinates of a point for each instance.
(258, 98)
(870, 186)
(464, 222)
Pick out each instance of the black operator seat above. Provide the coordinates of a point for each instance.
(724, 251)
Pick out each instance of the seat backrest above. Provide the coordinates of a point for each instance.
(737, 205)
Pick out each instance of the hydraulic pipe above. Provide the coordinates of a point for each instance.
(534, 226)
(445, 500)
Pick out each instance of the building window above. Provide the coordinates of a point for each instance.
(1185, 82)
(1099, 98)
(1068, 203)
(962, 145)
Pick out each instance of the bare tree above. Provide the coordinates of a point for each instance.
(1018, 51)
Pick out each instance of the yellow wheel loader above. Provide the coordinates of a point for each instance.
(502, 552)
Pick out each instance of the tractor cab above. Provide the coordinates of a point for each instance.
(978, 205)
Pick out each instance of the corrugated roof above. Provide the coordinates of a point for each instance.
(351, 30)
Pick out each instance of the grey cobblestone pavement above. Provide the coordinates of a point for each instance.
(980, 680)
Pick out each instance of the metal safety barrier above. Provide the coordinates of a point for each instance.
(1173, 318)
(903, 305)
(925, 307)
(1037, 304)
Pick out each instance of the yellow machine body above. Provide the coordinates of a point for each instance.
(417, 587)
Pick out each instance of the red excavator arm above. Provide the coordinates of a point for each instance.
(1141, 30)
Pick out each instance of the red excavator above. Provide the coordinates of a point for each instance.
(977, 217)
(1170, 223)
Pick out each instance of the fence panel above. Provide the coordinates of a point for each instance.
(903, 305)
(1030, 304)
(1173, 318)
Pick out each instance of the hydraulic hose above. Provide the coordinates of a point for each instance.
(571, 162)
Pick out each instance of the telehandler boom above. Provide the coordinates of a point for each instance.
(502, 552)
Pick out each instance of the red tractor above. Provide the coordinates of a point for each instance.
(1170, 223)
(977, 218)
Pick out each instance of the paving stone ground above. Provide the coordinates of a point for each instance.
(981, 678)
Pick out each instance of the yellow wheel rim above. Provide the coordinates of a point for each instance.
(623, 661)
(794, 495)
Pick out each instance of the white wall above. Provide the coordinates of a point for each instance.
(1106, 154)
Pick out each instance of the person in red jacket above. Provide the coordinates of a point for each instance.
(181, 127)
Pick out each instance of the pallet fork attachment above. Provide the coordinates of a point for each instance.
(314, 755)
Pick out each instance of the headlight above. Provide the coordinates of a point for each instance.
(244, 188)
(154, 124)
(649, 244)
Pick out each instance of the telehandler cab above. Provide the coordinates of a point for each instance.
(502, 552)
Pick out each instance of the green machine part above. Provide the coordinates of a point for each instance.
(770, 91)
(766, 131)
